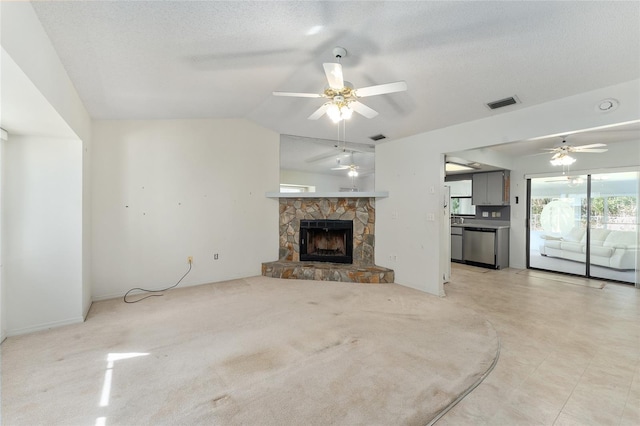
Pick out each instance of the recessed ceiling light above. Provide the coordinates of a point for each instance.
(607, 105)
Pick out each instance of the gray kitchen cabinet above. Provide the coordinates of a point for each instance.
(490, 189)
(456, 243)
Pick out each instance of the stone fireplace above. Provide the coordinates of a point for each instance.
(327, 258)
(326, 240)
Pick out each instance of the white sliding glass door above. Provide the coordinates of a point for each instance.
(613, 220)
(558, 230)
(585, 225)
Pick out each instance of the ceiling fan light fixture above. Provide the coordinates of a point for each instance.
(352, 173)
(346, 112)
(333, 112)
(563, 160)
(339, 111)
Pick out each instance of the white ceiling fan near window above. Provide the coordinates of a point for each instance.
(342, 96)
(561, 153)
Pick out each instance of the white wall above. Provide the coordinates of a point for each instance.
(42, 233)
(409, 171)
(326, 183)
(3, 311)
(167, 189)
(86, 226)
(410, 167)
(39, 100)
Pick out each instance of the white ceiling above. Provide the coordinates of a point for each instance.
(191, 59)
(24, 110)
(609, 135)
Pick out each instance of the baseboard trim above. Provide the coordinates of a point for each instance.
(86, 313)
(45, 326)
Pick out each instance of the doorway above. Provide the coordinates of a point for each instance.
(585, 224)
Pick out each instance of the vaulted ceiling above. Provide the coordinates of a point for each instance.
(203, 59)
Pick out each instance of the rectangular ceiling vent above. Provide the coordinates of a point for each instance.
(377, 137)
(503, 102)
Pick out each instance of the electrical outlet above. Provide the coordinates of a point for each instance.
(190, 259)
(215, 256)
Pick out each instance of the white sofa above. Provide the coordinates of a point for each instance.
(612, 249)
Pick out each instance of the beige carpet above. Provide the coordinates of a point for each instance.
(258, 351)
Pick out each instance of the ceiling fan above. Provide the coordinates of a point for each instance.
(561, 153)
(352, 167)
(342, 96)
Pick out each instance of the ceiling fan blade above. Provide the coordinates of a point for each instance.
(361, 108)
(319, 112)
(340, 168)
(381, 89)
(333, 71)
(593, 145)
(319, 157)
(591, 150)
(298, 95)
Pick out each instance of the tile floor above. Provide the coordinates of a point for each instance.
(570, 349)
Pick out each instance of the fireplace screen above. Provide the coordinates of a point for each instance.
(326, 241)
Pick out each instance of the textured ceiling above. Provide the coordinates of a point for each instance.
(189, 59)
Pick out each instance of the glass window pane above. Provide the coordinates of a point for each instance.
(614, 226)
(557, 231)
(462, 206)
(460, 188)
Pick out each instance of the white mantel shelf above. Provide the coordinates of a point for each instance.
(377, 194)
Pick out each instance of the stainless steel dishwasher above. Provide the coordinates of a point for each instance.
(479, 245)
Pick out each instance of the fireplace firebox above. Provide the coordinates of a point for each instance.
(326, 241)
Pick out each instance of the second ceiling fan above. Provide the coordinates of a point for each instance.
(561, 153)
(342, 96)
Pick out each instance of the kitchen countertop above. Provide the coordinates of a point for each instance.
(479, 225)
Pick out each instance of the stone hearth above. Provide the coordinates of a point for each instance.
(323, 271)
(360, 210)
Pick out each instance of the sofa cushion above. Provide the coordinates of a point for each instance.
(554, 244)
(576, 234)
(571, 246)
(602, 251)
(598, 236)
(621, 239)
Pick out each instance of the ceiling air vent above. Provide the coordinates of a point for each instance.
(377, 137)
(503, 102)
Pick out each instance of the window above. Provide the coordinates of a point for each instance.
(461, 198)
(285, 187)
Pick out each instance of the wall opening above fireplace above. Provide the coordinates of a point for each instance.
(326, 241)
